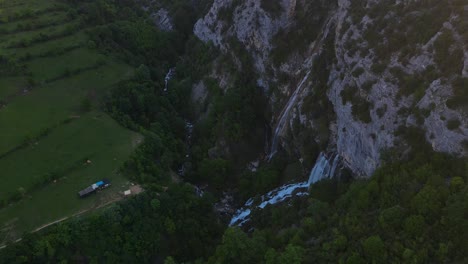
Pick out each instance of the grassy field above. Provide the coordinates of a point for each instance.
(86, 138)
(69, 146)
(54, 140)
(10, 86)
(43, 107)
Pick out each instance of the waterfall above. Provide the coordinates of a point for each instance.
(168, 77)
(316, 49)
(324, 168)
(284, 117)
(273, 197)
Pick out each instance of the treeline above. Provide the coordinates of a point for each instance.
(42, 37)
(411, 211)
(48, 53)
(10, 67)
(147, 228)
(33, 25)
(67, 72)
(163, 221)
(30, 14)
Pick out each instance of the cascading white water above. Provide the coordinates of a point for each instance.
(323, 168)
(168, 77)
(284, 116)
(273, 197)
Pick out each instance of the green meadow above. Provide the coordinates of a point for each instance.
(54, 139)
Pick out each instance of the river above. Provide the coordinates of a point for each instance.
(324, 168)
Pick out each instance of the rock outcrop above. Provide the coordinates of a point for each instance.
(388, 69)
(162, 20)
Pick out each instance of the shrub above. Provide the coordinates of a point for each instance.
(91, 44)
(460, 93)
(227, 13)
(348, 93)
(381, 111)
(361, 109)
(374, 248)
(358, 71)
(378, 68)
(456, 184)
(448, 60)
(453, 124)
(414, 225)
(273, 7)
(367, 86)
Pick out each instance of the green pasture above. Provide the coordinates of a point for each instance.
(28, 115)
(94, 137)
(11, 85)
(54, 138)
(46, 68)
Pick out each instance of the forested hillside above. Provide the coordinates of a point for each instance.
(168, 219)
(228, 100)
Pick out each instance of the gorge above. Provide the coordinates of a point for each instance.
(260, 131)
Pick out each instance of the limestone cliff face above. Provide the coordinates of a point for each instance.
(393, 64)
(158, 13)
(407, 83)
(248, 23)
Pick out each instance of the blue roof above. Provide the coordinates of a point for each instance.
(99, 183)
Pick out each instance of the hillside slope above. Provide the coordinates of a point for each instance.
(55, 139)
(370, 70)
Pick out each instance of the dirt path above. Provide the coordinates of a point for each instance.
(16, 241)
(55, 222)
(49, 224)
(136, 189)
(77, 214)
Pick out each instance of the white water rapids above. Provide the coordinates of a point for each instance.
(324, 168)
(168, 77)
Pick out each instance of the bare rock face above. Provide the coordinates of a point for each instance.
(359, 142)
(162, 20)
(391, 105)
(160, 15)
(438, 134)
(248, 23)
(388, 70)
(209, 28)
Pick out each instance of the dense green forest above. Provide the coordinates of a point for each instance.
(413, 210)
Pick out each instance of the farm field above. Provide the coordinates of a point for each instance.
(54, 139)
(66, 152)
